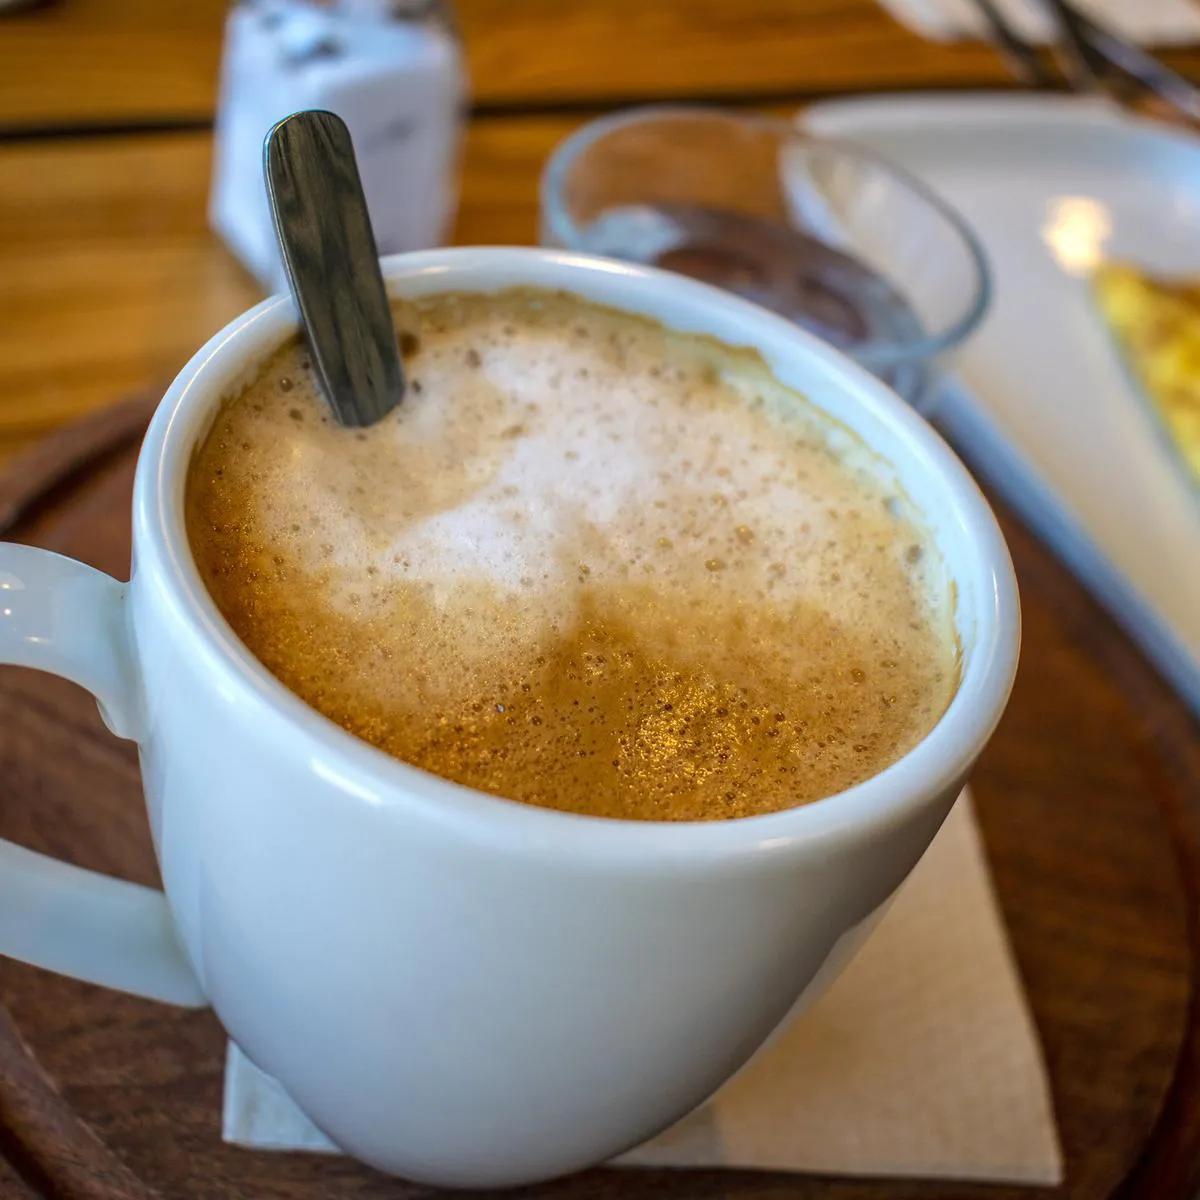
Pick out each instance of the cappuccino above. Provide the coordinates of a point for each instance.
(589, 563)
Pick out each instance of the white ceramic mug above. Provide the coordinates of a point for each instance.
(454, 987)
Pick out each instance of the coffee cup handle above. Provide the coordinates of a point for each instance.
(60, 616)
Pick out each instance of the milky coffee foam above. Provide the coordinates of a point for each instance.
(589, 564)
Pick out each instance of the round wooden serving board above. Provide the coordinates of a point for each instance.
(1088, 801)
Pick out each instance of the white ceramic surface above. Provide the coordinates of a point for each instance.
(454, 987)
(1047, 409)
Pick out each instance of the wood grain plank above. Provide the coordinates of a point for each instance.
(110, 278)
(12, 1185)
(72, 61)
(88, 62)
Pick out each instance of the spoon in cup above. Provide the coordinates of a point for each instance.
(332, 264)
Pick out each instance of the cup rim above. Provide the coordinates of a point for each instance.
(163, 559)
(562, 230)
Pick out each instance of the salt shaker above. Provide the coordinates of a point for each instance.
(391, 69)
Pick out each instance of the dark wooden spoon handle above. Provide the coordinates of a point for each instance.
(329, 251)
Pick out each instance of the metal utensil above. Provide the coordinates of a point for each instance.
(1094, 58)
(1084, 66)
(1020, 56)
(1108, 58)
(332, 265)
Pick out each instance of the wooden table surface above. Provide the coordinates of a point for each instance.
(109, 277)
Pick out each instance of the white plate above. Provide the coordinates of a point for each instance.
(1043, 405)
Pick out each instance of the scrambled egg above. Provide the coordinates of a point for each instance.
(1157, 324)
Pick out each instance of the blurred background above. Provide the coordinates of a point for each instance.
(109, 275)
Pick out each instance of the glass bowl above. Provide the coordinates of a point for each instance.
(831, 236)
